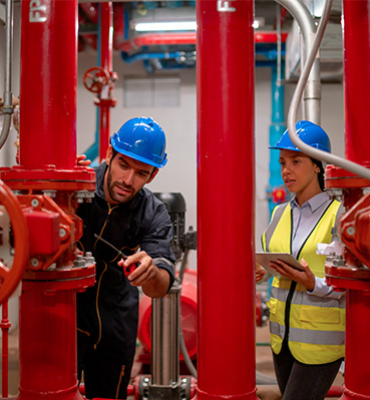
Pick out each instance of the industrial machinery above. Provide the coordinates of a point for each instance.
(167, 319)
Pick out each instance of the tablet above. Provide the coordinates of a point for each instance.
(264, 260)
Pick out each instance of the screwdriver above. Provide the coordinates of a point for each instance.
(127, 270)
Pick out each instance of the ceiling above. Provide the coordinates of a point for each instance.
(182, 54)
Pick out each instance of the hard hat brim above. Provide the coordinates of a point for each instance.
(141, 159)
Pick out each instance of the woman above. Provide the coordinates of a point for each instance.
(307, 317)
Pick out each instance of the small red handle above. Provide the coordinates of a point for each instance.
(131, 268)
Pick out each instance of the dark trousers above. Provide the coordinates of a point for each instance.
(303, 381)
(106, 375)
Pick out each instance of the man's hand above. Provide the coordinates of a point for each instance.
(260, 273)
(82, 162)
(306, 277)
(154, 281)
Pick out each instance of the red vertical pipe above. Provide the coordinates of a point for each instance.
(47, 369)
(356, 42)
(356, 18)
(357, 383)
(118, 23)
(48, 84)
(106, 35)
(226, 287)
(5, 325)
(104, 130)
(106, 46)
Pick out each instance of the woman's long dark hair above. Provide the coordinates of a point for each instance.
(321, 174)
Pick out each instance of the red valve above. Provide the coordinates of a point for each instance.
(10, 276)
(95, 78)
(113, 77)
(278, 195)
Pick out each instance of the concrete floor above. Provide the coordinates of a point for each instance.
(264, 366)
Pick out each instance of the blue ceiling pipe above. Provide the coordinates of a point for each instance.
(277, 128)
(149, 56)
(266, 50)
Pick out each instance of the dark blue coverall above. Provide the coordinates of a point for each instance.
(107, 313)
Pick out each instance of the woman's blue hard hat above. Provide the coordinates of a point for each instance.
(142, 139)
(309, 133)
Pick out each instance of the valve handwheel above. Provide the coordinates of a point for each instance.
(10, 275)
(95, 78)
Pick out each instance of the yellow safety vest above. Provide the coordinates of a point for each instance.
(314, 326)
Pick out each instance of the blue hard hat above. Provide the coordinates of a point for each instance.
(142, 139)
(309, 133)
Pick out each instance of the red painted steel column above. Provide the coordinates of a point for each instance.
(106, 45)
(48, 179)
(226, 286)
(356, 42)
(5, 325)
(49, 90)
(47, 368)
(357, 384)
(106, 35)
(356, 17)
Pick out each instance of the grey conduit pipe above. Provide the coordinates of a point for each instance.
(293, 110)
(312, 94)
(8, 96)
(183, 348)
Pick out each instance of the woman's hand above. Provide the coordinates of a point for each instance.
(260, 273)
(305, 277)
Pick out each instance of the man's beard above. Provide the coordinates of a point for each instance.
(112, 194)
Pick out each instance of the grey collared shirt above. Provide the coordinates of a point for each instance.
(304, 220)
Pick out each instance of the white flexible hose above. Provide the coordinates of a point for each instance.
(293, 110)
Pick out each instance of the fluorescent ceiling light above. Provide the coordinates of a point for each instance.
(258, 22)
(179, 26)
(166, 26)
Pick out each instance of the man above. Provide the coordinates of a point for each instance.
(130, 217)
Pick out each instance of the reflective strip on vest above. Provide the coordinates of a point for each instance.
(315, 328)
(303, 298)
(275, 218)
(309, 337)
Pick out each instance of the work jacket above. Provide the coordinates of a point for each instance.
(108, 311)
(313, 326)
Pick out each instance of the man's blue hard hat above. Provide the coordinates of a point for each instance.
(309, 133)
(142, 139)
